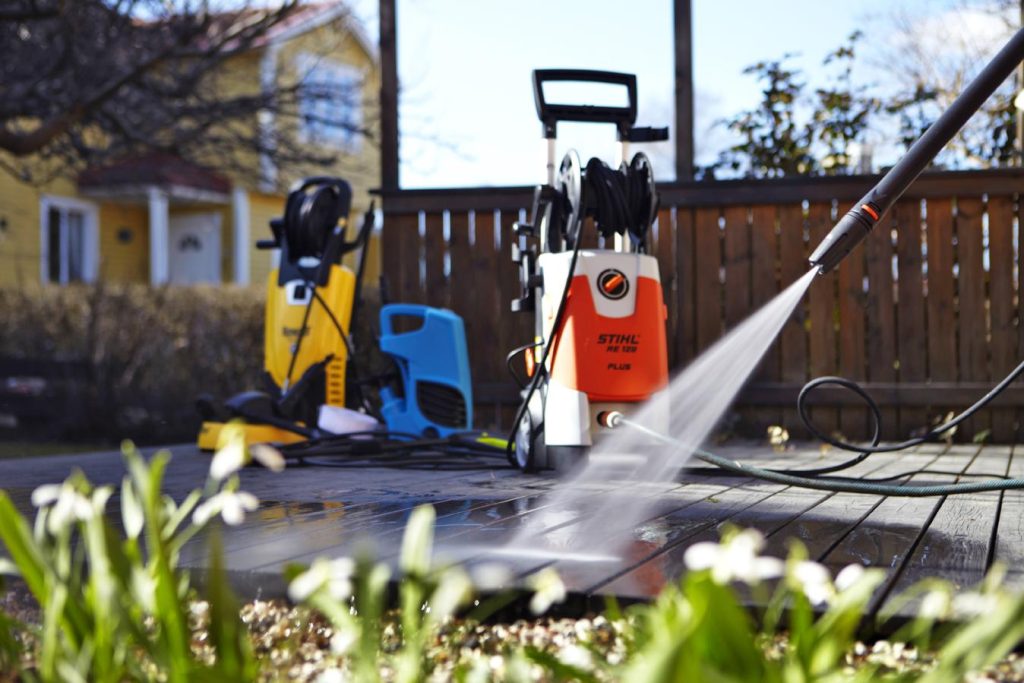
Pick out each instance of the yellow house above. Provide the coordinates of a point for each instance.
(162, 220)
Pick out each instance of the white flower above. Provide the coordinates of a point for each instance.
(814, 580)
(418, 541)
(8, 567)
(548, 589)
(735, 559)
(332, 676)
(231, 505)
(335, 575)
(576, 656)
(453, 591)
(230, 454)
(342, 641)
(973, 604)
(268, 456)
(848, 576)
(490, 576)
(934, 605)
(68, 505)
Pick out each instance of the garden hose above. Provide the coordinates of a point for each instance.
(812, 479)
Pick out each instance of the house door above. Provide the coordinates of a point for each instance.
(194, 249)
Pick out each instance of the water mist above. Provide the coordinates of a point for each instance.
(695, 401)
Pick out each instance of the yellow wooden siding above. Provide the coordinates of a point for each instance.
(20, 241)
(124, 258)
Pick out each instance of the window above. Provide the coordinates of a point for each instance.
(330, 108)
(68, 240)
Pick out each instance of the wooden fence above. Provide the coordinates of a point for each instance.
(926, 313)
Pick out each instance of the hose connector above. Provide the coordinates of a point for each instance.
(610, 418)
(851, 229)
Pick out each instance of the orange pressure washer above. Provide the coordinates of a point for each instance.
(599, 313)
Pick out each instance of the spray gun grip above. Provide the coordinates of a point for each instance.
(850, 231)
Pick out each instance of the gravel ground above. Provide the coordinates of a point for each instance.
(295, 644)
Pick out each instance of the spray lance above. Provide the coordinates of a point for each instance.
(851, 229)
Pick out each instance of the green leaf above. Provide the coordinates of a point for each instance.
(559, 669)
(228, 635)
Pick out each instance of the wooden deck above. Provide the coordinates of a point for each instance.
(311, 511)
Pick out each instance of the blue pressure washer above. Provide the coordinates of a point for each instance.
(433, 363)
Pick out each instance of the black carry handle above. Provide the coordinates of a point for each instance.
(551, 114)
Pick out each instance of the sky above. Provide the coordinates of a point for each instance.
(467, 115)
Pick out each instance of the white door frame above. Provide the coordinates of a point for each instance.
(90, 227)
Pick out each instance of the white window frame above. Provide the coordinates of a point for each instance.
(307, 64)
(90, 230)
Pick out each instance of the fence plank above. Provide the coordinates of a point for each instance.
(707, 289)
(686, 286)
(765, 285)
(664, 250)
(1001, 292)
(515, 329)
(821, 307)
(853, 422)
(404, 239)
(793, 340)
(737, 266)
(436, 283)
(942, 359)
(391, 257)
(881, 316)
(910, 309)
(488, 303)
(463, 293)
(971, 316)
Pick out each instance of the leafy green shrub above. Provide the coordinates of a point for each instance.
(148, 353)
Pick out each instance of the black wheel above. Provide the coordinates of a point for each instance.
(525, 444)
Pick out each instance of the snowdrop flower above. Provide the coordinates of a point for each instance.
(735, 559)
(268, 456)
(230, 454)
(454, 589)
(67, 505)
(814, 580)
(334, 575)
(7, 567)
(973, 604)
(342, 641)
(230, 505)
(332, 676)
(548, 588)
(490, 576)
(934, 605)
(576, 656)
(848, 576)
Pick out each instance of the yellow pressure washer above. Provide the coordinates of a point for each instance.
(311, 299)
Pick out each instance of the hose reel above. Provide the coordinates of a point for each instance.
(623, 201)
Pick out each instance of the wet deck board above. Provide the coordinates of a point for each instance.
(307, 512)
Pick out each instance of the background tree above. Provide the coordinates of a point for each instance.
(85, 82)
(793, 133)
(844, 112)
(929, 58)
(775, 139)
